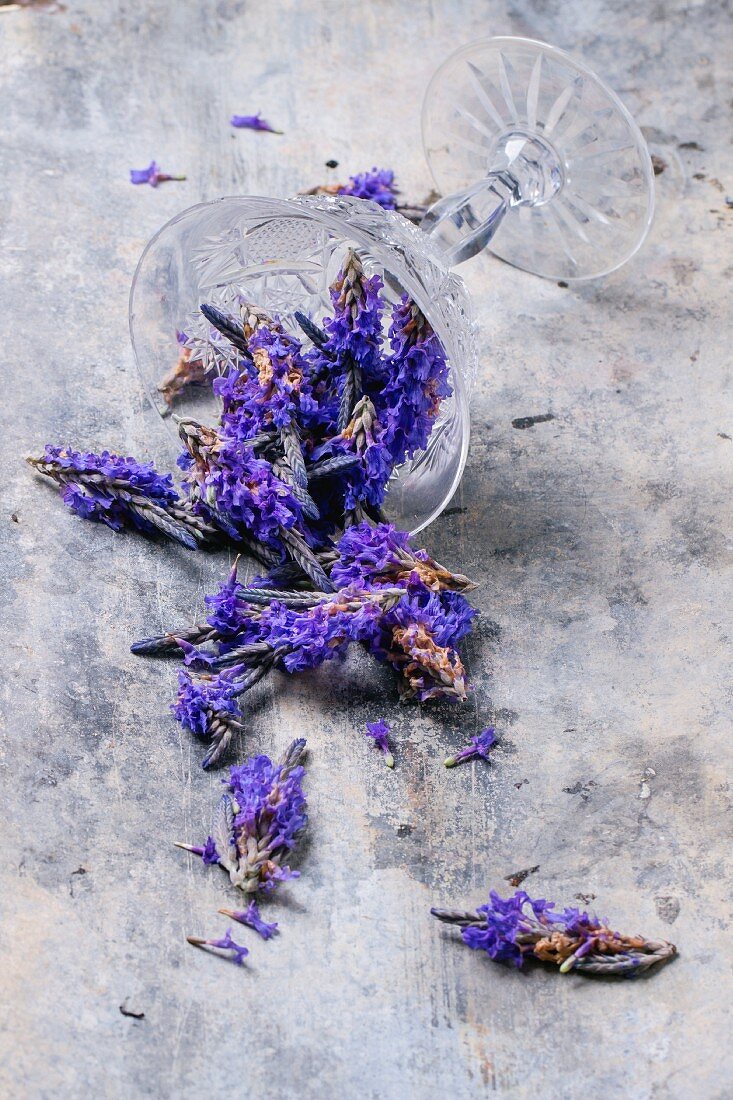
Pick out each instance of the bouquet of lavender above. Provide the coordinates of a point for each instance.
(513, 929)
(296, 472)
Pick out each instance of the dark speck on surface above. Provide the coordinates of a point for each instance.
(724, 435)
(583, 789)
(14, 517)
(455, 511)
(522, 422)
(691, 145)
(658, 164)
(562, 284)
(585, 898)
(668, 908)
(404, 830)
(332, 164)
(130, 1012)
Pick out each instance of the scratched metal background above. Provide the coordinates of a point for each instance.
(599, 538)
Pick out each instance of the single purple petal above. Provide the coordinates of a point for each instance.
(252, 122)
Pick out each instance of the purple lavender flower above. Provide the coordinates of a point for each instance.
(251, 917)
(208, 707)
(380, 731)
(416, 382)
(478, 746)
(226, 943)
(418, 637)
(252, 122)
(259, 820)
(119, 492)
(512, 929)
(152, 175)
(377, 185)
(382, 554)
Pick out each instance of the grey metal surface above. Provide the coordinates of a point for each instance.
(599, 537)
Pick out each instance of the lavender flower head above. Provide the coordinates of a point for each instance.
(209, 708)
(381, 554)
(252, 122)
(251, 917)
(377, 186)
(258, 821)
(379, 731)
(478, 746)
(152, 175)
(512, 929)
(117, 491)
(226, 943)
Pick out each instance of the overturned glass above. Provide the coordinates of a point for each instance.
(539, 162)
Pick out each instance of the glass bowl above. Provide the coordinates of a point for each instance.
(282, 255)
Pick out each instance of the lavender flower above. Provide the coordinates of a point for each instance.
(209, 708)
(416, 383)
(377, 186)
(251, 917)
(479, 746)
(380, 731)
(382, 555)
(259, 821)
(152, 175)
(252, 122)
(226, 943)
(354, 333)
(119, 492)
(512, 929)
(419, 636)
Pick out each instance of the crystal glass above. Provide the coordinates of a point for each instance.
(539, 162)
(283, 255)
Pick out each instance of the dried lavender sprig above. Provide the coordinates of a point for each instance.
(518, 927)
(228, 326)
(314, 333)
(336, 465)
(120, 489)
(166, 645)
(301, 553)
(294, 454)
(258, 821)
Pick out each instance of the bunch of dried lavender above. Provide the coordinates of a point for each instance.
(513, 929)
(413, 625)
(295, 472)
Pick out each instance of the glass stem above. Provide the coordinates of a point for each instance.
(464, 223)
(526, 171)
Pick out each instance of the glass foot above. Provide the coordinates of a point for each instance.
(588, 183)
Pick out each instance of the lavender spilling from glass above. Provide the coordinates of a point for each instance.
(295, 473)
(513, 929)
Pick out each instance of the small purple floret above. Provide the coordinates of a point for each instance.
(380, 731)
(252, 122)
(152, 175)
(251, 917)
(377, 185)
(478, 746)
